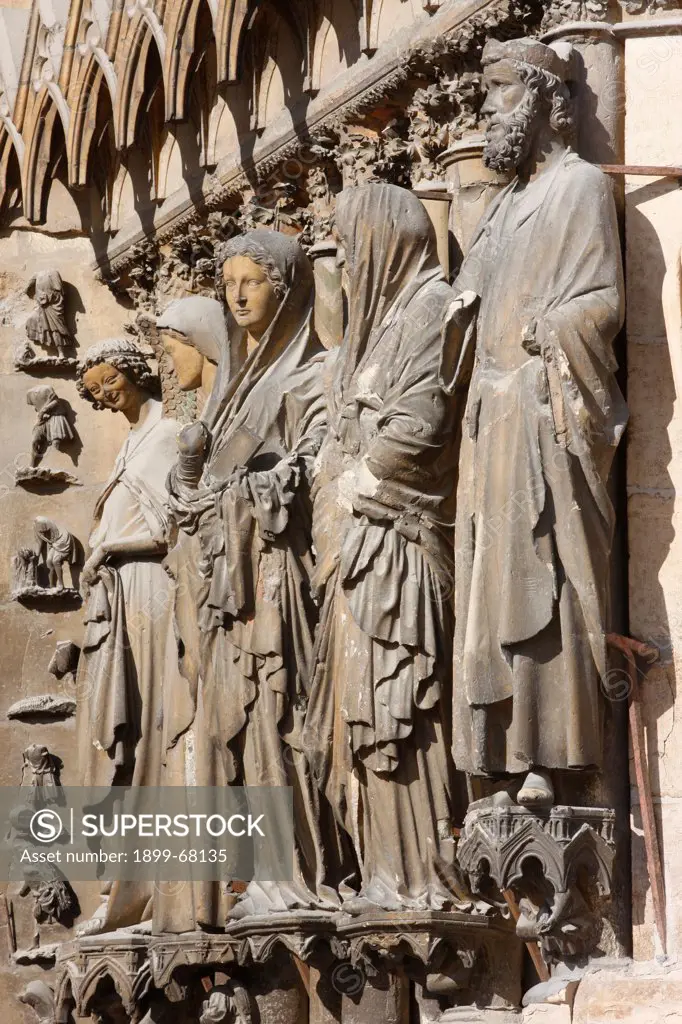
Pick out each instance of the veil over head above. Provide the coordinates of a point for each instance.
(201, 320)
(289, 342)
(391, 253)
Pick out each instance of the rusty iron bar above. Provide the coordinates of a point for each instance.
(629, 648)
(652, 171)
(532, 947)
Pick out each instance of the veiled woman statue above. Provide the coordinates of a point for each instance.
(134, 706)
(194, 334)
(241, 485)
(377, 728)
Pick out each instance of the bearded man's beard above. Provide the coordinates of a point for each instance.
(509, 152)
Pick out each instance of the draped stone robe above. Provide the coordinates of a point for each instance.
(377, 728)
(134, 707)
(249, 640)
(534, 518)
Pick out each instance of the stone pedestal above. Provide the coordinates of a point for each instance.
(473, 187)
(554, 861)
(634, 995)
(294, 968)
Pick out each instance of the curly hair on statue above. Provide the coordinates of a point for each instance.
(125, 356)
(243, 245)
(552, 94)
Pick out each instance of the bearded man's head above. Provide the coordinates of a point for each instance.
(525, 91)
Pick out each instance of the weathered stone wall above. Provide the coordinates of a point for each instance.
(29, 636)
(653, 75)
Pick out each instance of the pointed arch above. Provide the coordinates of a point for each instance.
(233, 17)
(389, 16)
(276, 61)
(336, 45)
(92, 80)
(37, 156)
(11, 197)
(132, 81)
(181, 49)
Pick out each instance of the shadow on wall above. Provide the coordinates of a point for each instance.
(651, 493)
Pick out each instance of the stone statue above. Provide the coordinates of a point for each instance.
(378, 722)
(194, 334)
(24, 572)
(249, 507)
(47, 324)
(53, 427)
(56, 547)
(134, 707)
(543, 418)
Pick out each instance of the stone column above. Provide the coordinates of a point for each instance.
(325, 998)
(384, 999)
(435, 198)
(472, 187)
(599, 89)
(329, 317)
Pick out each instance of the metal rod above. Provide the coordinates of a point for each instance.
(652, 171)
(629, 648)
(532, 947)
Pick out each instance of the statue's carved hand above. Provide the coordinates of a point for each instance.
(193, 442)
(90, 571)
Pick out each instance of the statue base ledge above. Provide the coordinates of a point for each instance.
(44, 475)
(53, 595)
(420, 941)
(46, 363)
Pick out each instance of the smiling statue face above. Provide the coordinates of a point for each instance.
(188, 362)
(250, 295)
(112, 388)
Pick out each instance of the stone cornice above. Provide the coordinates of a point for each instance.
(356, 91)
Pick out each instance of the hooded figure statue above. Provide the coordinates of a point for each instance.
(377, 729)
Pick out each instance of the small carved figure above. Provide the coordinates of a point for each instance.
(24, 571)
(53, 427)
(40, 769)
(56, 547)
(47, 324)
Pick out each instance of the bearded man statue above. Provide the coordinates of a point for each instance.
(543, 417)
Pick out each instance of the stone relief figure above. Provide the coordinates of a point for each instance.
(194, 334)
(53, 428)
(134, 706)
(24, 572)
(543, 418)
(378, 723)
(47, 325)
(241, 487)
(56, 547)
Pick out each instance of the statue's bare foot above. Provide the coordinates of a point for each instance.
(373, 897)
(95, 925)
(537, 790)
(143, 928)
